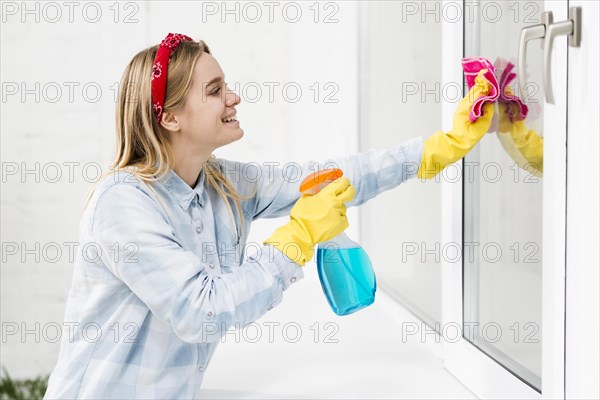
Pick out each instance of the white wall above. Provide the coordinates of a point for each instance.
(81, 131)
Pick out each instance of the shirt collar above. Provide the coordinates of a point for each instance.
(181, 191)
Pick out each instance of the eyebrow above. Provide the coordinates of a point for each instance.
(214, 80)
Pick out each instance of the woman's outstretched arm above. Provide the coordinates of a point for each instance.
(277, 186)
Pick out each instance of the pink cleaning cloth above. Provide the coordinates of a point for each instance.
(471, 67)
(505, 79)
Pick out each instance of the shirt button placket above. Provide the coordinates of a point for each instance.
(196, 217)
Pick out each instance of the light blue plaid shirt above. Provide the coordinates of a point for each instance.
(159, 278)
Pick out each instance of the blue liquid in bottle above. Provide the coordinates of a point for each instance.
(346, 275)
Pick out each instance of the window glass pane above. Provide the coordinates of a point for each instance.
(502, 244)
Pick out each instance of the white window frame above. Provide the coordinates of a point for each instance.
(582, 366)
(479, 372)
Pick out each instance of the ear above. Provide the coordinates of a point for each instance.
(170, 122)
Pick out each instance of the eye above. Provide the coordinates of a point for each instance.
(218, 90)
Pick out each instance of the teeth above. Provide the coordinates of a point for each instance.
(229, 119)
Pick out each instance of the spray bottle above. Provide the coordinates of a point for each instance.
(344, 268)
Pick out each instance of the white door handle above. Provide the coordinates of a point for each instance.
(547, 30)
(570, 27)
(529, 33)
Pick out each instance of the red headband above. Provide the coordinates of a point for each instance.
(159, 69)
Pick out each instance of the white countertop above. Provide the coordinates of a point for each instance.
(292, 353)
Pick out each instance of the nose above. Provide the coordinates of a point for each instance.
(231, 98)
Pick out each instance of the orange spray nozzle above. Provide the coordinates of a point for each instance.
(314, 182)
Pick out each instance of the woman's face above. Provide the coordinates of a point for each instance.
(209, 102)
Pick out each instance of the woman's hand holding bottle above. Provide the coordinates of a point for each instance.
(314, 219)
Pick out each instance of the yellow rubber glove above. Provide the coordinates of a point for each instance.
(522, 144)
(313, 219)
(441, 149)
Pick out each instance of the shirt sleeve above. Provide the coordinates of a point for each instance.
(277, 186)
(138, 245)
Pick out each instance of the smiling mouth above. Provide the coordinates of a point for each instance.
(231, 119)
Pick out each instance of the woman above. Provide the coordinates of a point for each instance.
(160, 275)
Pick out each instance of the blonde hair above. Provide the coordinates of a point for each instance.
(142, 146)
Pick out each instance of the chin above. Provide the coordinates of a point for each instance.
(232, 137)
(240, 134)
